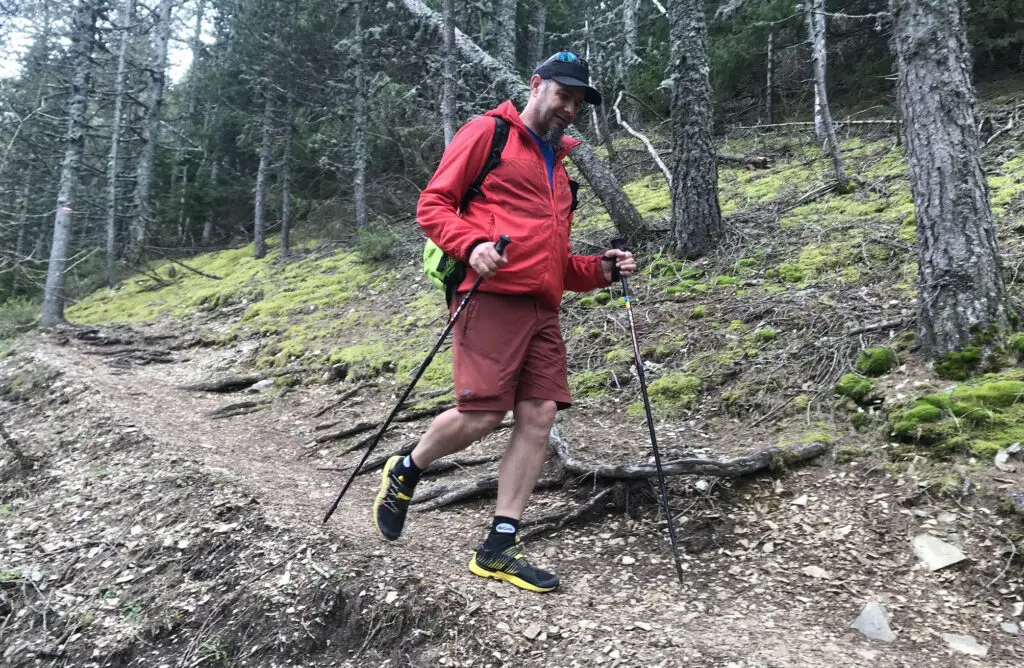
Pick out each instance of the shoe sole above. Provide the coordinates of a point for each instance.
(381, 493)
(477, 569)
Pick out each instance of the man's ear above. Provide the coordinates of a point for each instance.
(536, 81)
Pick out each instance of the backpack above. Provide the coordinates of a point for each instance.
(444, 271)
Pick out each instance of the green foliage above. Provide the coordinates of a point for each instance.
(18, 315)
(959, 365)
(876, 361)
(590, 383)
(669, 395)
(378, 243)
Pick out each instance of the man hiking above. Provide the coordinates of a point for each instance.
(508, 352)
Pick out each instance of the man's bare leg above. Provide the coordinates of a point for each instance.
(524, 459)
(453, 431)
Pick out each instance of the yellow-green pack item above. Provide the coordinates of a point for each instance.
(444, 271)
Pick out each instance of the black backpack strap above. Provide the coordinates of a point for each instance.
(493, 158)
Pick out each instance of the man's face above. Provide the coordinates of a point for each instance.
(557, 106)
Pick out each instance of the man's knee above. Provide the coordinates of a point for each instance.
(536, 413)
(482, 421)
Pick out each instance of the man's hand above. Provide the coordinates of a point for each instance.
(617, 258)
(485, 260)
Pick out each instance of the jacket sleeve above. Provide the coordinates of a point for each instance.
(438, 209)
(584, 273)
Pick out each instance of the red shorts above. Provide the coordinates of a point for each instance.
(505, 349)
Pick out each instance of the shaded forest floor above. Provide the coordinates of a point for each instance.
(140, 530)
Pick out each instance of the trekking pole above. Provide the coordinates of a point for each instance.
(650, 424)
(500, 247)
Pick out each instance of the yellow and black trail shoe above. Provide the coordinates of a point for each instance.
(511, 565)
(392, 502)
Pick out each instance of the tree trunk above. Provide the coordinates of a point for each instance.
(127, 16)
(601, 179)
(538, 37)
(266, 150)
(631, 33)
(961, 294)
(696, 216)
(150, 132)
(769, 94)
(823, 126)
(208, 221)
(448, 100)
(286, 180)
(505, 34)
(359, 123)
(80, 56)
(22, 224)
(189, 107)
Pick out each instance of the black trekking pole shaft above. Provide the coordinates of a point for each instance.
(650, 427)
(500, 247)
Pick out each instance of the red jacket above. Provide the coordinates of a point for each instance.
(516, 200)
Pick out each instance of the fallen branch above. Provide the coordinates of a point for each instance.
(644, 139)
(556, 522)
(444, 495)
(887, 324)
(224, 385)
(807, 124)
(367, 426)
(442, 465)
(182, 264)
(234, 410)
(732, 468)
(759, 161)
(340, 400)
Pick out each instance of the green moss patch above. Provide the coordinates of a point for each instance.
(670, 395)
(855, 387)
(876, 361)
(590, 383)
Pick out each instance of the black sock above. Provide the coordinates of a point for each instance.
(407, 471)
(503, 533)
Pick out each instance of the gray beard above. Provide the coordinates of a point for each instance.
(553, 136)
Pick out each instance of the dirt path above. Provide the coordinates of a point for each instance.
(748, 601)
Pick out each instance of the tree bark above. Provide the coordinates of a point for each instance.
(823, 126)
(151, 132)
(208, 221)
(961, 293)
(448, 100)
(127, 16)
(538, 37)
(80, 56)
(505, 35)
(696, 216)
(259, 208)
(20, 240)
(631, 34)
(359, 122)
(769, 93)
(604, 183)
(286, 179)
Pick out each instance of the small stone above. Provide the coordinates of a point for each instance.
(264, 384)
(768, 547)
(503, 627)
(1010, 627)
(873, 622)
(1018, 609)
(800, 501)
(947, 518)
(642, 625)
(390, 597)
(936, 554)
(628, 561)
(532, 631)
(817, 572)
(1015, 500)
(965, 644)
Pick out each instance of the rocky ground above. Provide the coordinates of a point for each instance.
(139, 531)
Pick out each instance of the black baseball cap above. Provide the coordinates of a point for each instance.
(567, 68)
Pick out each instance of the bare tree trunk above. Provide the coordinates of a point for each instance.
(127, 16)
(599, 112)
(208, 221)
(769, 94)
(448, 99)
(150, 133)
(81, 52)
(505, 42)
(631, 33)
(696, 216)
(604, 183)
(961, 293)
(266, 151)
(286, 179)
(538, 37)
(359, 124)
(823, 126)
(22, 224)
(189, 106)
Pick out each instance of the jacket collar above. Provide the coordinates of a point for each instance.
(508, 111)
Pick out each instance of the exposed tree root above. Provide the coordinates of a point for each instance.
(340, 400)
(443, 495)
(241, 408)
(442, 465)
(224, 385)
(555, 522)
(367, 426)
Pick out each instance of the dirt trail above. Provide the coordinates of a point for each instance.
(748, 600)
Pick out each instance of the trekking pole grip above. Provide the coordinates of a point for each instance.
(503, 241)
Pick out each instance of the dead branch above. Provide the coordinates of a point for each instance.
(444, 495)
(559, 520)
(806, 124)
(340, 400)
(367, 426)
(443, 465)
(759, 161)
(378, 462)
(223, 385)
(732, 468)
(887, 324)
(644, 139)
(182, 264)
(241, 408)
